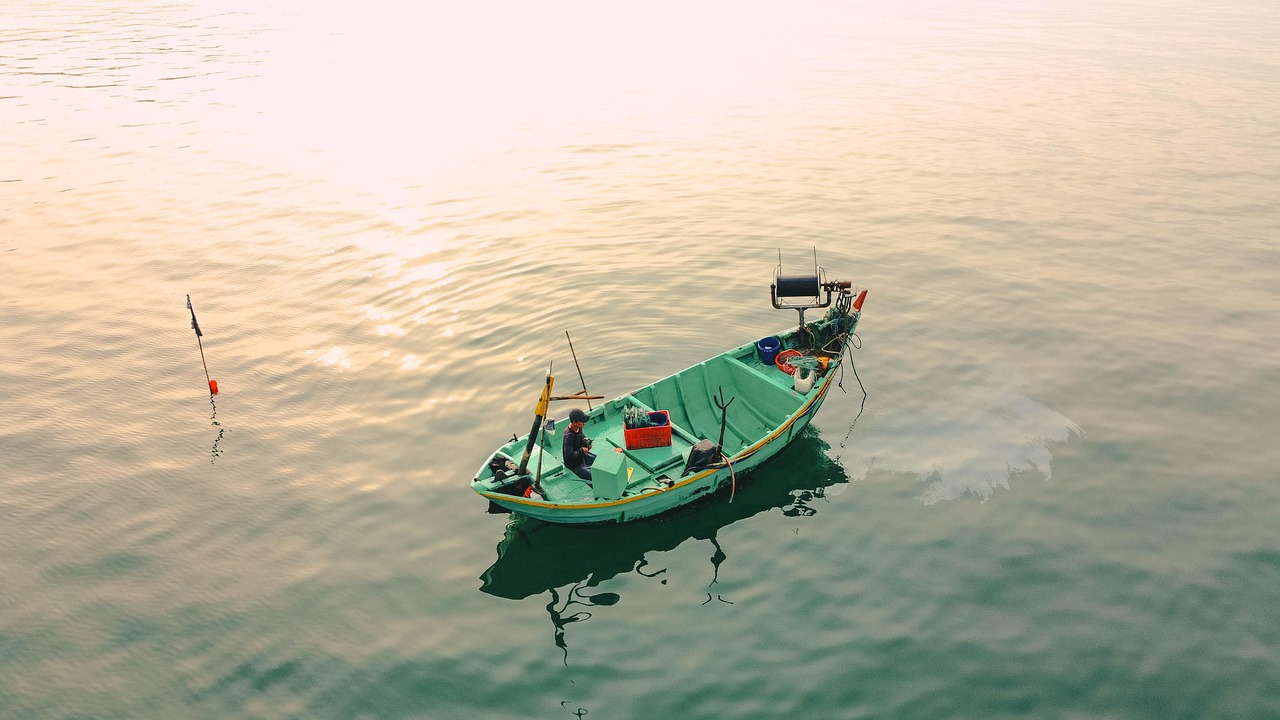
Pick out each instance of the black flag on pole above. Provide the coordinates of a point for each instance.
(194, 325)
(213, 384)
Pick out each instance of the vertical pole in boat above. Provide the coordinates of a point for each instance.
(537, 478)
(724, 420)
(540, 412)
(543, 429)
(575, 364)
(724, 416)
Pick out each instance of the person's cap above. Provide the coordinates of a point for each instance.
(576, 415)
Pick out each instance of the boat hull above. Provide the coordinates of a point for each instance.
(679, 439)
(683, 492)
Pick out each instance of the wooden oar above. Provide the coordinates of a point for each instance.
(575, 364)
(580, 395)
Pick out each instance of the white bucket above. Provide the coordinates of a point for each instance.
(803, 385)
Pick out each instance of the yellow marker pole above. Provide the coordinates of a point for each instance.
(539, 413)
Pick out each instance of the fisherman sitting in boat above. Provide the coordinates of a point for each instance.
(577, 446)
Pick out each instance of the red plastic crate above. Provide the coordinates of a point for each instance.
(649, 437)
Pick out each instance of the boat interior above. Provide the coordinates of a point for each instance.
(759, 397)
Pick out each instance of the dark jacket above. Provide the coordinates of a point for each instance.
(575, 448)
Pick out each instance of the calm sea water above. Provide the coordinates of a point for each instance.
(1059, 499)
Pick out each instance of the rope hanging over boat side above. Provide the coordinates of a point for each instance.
(855, 342)
(733, 477)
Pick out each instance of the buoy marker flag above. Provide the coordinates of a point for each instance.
(213, 384)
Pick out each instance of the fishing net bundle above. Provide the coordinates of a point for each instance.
(804, 365)
(634, 417)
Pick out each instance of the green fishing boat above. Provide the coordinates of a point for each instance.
(689, 434)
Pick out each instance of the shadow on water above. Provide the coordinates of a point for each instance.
(535, 557)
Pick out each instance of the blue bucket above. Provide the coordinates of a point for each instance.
(768, 349)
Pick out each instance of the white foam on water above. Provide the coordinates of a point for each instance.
(969, 442)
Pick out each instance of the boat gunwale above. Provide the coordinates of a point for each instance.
(740, 455)
(572, 513)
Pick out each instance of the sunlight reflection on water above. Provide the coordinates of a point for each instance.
(389, 214)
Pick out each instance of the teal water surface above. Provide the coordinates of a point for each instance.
(1057, 500)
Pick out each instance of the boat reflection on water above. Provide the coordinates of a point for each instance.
(535, 557)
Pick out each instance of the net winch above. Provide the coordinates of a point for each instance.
(806, 292)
